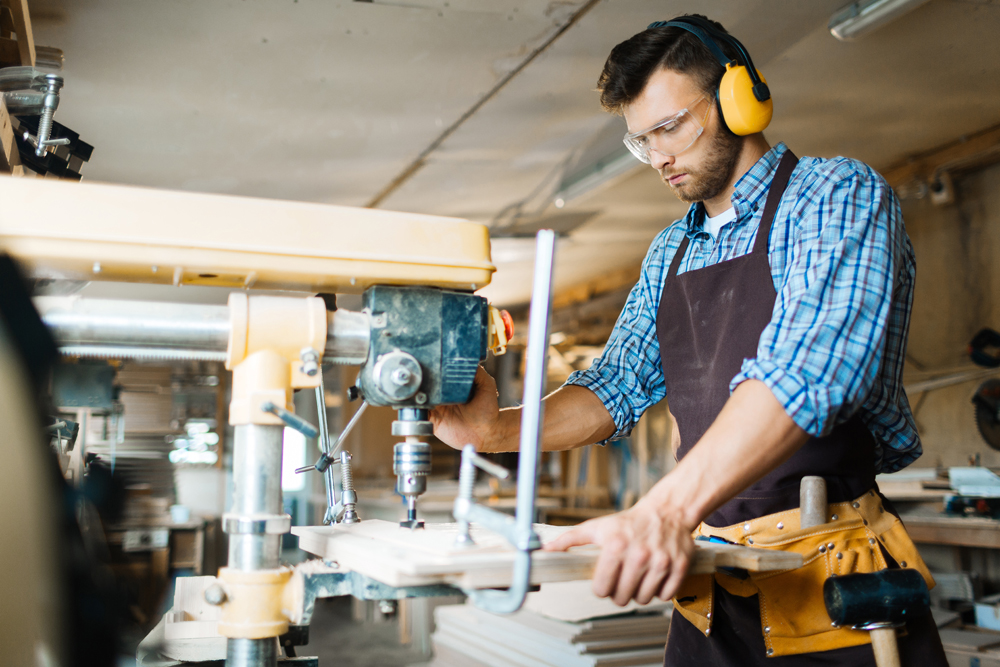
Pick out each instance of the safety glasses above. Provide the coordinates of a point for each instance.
(672, 135)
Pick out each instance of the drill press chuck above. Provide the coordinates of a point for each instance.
(411, 464)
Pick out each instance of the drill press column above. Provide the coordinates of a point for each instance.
(274, 347)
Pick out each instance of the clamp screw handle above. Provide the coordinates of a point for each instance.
(483, 463)
(291, 420)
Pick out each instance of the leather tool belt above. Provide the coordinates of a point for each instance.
(792, 612)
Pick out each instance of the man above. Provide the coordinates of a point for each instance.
(773, 317)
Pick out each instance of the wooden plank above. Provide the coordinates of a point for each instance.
(10, 158)
(9, 55)
(572, 473)
(400, 557)
(6, 22)
(608, 282)
(565, 604)
(970, 152)
(22, 27)
(966, 639)
(954, 531)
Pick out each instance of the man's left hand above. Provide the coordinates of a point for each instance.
(643, 553)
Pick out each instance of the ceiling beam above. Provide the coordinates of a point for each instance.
(609, 282)
(970, 152)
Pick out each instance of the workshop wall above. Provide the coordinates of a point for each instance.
(957, 293)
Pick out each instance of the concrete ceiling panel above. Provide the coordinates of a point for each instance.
(325, 101)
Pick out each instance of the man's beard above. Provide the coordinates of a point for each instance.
(713, 175)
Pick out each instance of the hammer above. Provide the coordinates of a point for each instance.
(878, 602)
(812, 501)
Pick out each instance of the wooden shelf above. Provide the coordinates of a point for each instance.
(954, 531)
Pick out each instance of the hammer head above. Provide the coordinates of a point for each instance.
(888, 596)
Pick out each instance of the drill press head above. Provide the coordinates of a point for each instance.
(426, 346)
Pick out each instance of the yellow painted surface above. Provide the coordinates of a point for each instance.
(267, 335)
(90, 231)
(253, 606)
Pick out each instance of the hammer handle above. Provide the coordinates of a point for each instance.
(812, 501)
(884, 645)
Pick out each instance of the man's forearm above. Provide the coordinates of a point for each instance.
(574, 416)
(751, 436)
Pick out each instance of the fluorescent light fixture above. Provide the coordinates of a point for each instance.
(861, 18)
(512, 250)
(595, 177)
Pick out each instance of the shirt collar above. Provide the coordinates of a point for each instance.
(748, 192)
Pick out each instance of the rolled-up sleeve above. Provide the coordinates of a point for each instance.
(628, 376)
(822, 351)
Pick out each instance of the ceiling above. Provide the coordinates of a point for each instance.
(323, 101)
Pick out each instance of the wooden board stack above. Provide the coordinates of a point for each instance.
(470, 637)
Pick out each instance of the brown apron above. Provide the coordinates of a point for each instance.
(710, 320)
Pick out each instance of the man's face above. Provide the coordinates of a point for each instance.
(703, 170)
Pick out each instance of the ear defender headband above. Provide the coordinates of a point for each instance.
(744, 98)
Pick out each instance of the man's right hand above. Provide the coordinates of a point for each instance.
(474, 423)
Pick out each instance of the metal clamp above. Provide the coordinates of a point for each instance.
(49, 85)
(272, 524)
(345, 511)
(466, 486)
(519, 530)
(317, 579)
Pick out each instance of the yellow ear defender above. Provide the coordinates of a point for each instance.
(744, 98)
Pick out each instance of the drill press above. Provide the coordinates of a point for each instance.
(419, 338)
(426, 345)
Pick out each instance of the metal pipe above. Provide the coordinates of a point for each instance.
(347, 336)
(253, 545)
(113, 328)
(342, 438)
(324, 442)
(252, 652)
(533, 410)
(135, 324)
(256, 495)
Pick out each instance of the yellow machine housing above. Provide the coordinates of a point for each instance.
(89, 231)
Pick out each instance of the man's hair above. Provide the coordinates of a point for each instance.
(632, 62)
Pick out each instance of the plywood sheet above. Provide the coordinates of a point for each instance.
(499, 653)
(401, 557)
(574, 601)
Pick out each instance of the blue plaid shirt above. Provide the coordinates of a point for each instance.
(843, 270)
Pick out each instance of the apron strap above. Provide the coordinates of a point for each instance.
(678, 256)
(777, 188)
(774, 192)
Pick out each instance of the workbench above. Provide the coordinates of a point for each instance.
(953, 531)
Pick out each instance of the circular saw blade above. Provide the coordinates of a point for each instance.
(986, 418)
